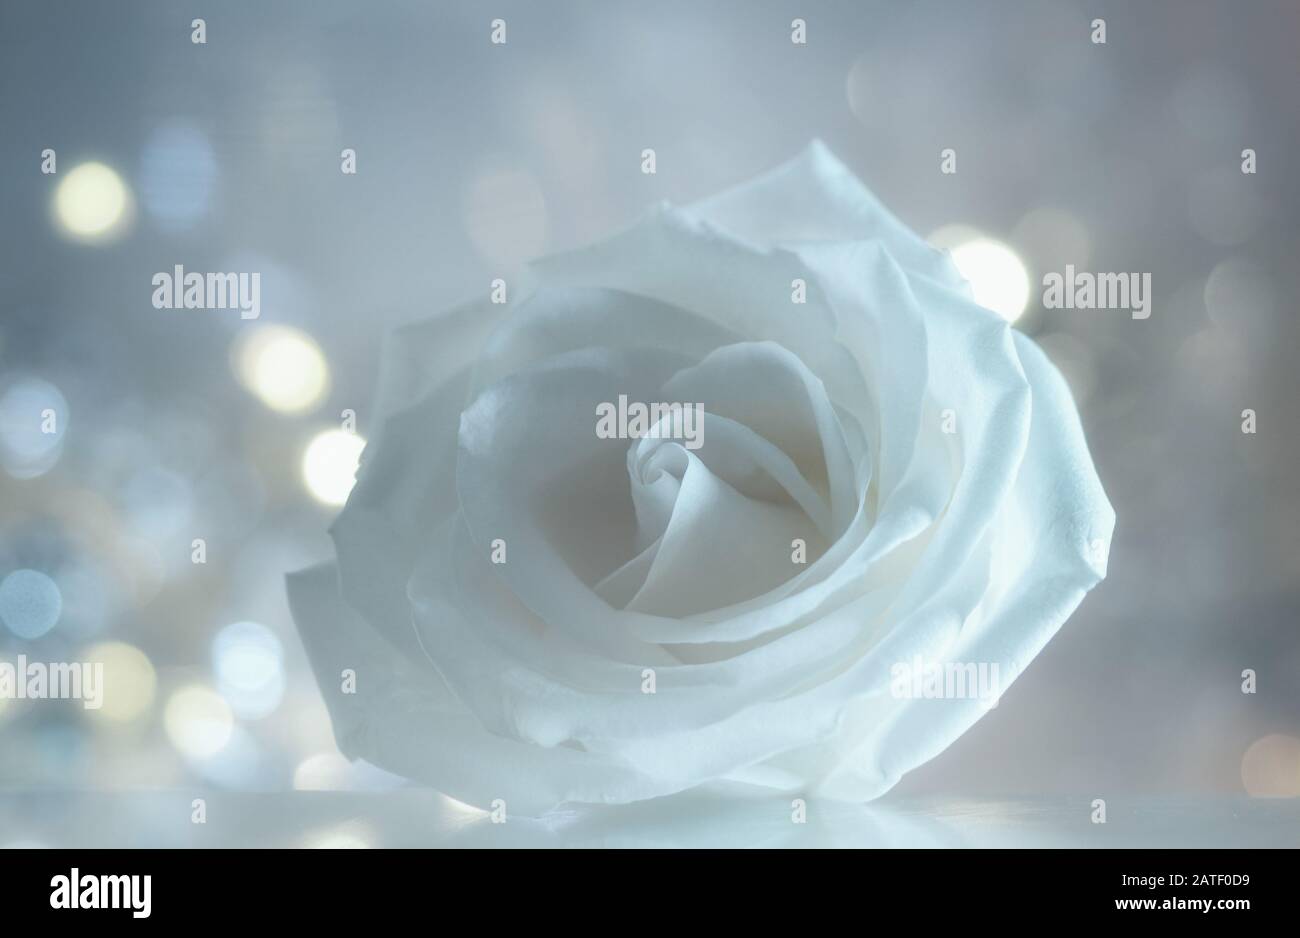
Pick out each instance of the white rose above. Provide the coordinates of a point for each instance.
(927, 456)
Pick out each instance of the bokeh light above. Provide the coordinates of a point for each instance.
(129, 681)
(141, 566)
(33, 419)
(30, 603)
(329, 465)
(198, 720)
(324, 771)
(248, 660)
(177, 173)
(282, 366)
(1239, 294)
(91, 202)
(157, 503)
(951, 236)
(996, 273)
(1271, 767)
(353, 836)
(91, 596)
(241, 763)
(1052, 237)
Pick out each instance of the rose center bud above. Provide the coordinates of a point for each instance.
(716, 526)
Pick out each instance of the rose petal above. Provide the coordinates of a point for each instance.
(815, 197)
(403, 718)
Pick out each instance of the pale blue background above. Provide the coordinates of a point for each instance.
(232, 152)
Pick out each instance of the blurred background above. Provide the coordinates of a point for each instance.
(471, 157)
